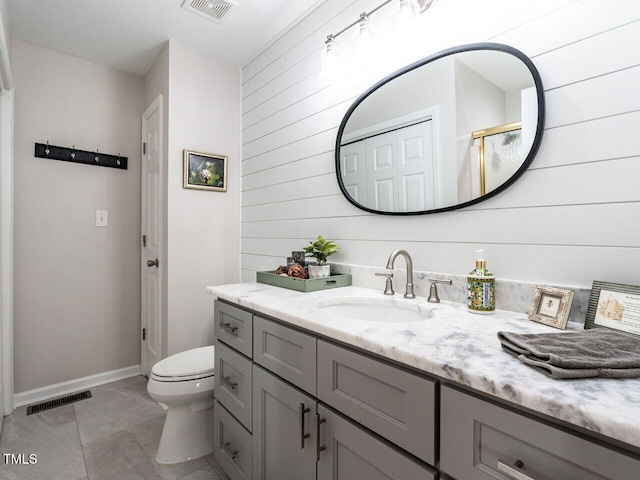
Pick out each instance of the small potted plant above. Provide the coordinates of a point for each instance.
(320, 250)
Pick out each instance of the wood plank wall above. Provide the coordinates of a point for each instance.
(573, 217)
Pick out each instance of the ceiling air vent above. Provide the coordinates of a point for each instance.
(212, 9)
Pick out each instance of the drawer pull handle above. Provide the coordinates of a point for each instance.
(225, 447)
(228, 383)
(330, 282)
(319, 448)
(514, 471)
(302, 410)
(229, 329)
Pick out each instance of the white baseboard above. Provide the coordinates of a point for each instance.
(73, 386)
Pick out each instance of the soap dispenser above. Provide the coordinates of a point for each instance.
(481, 286)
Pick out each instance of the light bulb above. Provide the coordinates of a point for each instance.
(408, 9)
(364, 43)
(331, 69)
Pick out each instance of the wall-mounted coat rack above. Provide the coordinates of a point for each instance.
(67, 154)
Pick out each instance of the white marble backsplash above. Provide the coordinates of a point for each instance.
(511, 295)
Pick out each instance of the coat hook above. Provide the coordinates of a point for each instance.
(46, 150)
(96, 157)
(73, 152)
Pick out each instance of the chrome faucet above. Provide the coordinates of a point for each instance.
(409, 287)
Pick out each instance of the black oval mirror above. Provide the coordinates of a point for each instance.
(443, 133)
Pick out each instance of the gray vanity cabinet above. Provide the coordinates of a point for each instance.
(294, 434)
(484, 441)
(270, 425)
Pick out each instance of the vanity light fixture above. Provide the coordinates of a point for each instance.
(405, 11)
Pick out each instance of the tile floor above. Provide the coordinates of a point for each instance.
(112, 436)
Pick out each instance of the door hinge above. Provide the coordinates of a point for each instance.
(144, 240)
(144, 148)
(144, 334)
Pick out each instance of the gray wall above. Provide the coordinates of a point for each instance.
(76, 286)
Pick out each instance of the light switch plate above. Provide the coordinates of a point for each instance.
(102, 218)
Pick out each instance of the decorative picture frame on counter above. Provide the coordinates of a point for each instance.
(551, 306)
(205, 171)
(615, 306)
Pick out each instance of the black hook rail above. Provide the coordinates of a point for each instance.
(67, 154)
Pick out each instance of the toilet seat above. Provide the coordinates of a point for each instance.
(194, 364)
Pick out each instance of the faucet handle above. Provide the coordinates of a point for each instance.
(388, 287)
(433, 290)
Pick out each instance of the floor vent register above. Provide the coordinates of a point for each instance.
(58, 402)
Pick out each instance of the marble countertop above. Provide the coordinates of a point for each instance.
(460, 346)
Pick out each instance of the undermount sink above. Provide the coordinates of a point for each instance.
(381, 310)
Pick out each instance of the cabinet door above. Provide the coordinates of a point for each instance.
(350, 453)
(483, 441)
(286, 352)
(283, 431)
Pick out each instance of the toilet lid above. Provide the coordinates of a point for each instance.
(198, 361)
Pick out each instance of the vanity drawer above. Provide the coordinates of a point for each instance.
(233, 383)
(232, 446)
(394, 403)
(286, 352)
(481, 440)
(234, 327)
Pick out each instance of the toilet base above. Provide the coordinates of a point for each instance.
(187, 433)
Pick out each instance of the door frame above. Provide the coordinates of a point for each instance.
(6, 225)
(156, 105)
(6, 253)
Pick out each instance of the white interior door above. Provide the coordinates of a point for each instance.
(416, 168)
(382, 172)
(354, 170)
(152, 262)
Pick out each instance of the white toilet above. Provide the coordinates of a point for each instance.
(183, 383)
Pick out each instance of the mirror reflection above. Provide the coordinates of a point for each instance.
(443, 133)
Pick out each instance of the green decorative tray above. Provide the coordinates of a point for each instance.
(304, 285)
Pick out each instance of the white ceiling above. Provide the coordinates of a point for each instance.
(129, 34)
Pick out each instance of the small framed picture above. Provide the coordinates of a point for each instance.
(551, 306)
(615, 306)
(205, 171)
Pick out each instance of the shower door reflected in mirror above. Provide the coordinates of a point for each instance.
(407, 145)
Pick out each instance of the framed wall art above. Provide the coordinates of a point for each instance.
(551, 306)
(205, 171)
(615, 306)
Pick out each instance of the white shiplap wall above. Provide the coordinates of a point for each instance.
(573, 217)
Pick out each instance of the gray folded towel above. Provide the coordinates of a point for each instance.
(589, 353)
